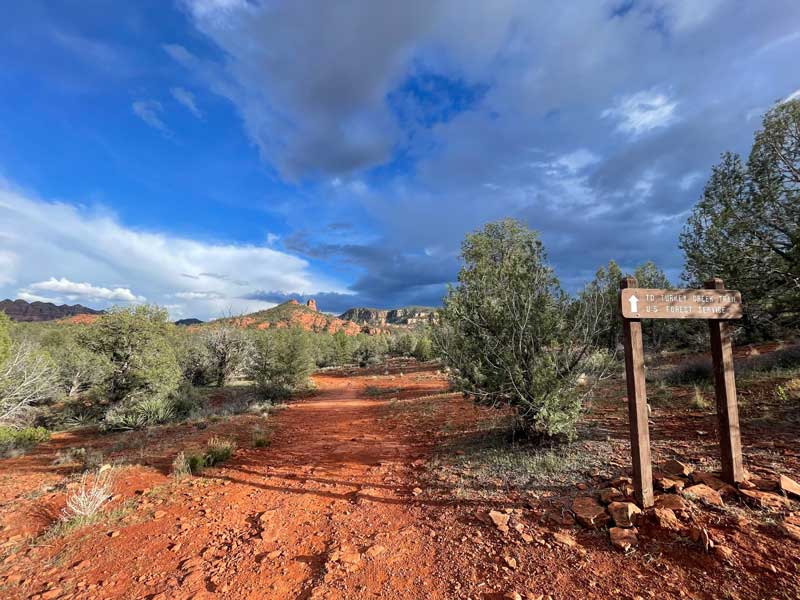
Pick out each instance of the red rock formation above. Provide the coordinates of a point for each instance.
(312, 304)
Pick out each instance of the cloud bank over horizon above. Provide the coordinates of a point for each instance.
(248, 151)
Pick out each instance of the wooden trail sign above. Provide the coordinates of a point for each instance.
(714, 303)
(645, 303)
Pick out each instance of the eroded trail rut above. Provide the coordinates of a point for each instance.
(327, 511)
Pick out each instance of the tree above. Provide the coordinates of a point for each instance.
(423, 351)
(228, 348)
(78, 368)
(194, 359)
(135, 342)
(27, 376)
(510, 334)
(5, 337)
(746, 226)
(606, 286)
(282, 362)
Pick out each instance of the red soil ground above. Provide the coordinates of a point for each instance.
(344, 504)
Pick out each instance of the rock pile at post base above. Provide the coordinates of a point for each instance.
(683, 491)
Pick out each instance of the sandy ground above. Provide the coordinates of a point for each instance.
(344, 504)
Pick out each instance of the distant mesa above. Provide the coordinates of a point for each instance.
(187, 322)
(293, 314)
(406, 316)
(23, 311)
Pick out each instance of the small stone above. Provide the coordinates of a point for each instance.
(159, 514)
(611, 494)
(511, 562)
(705, 494)
(527, 538)
(622, 538)
(623, 513)
(374, 551)
(765, 499)
(724, 553)
(669, 484)
(113, 534)
(582, 486)
(672, 502)
(665, 518)
(676, 467)
(499, 519)
(512, 596)
(791, 531)
(589, 512)
(564, 539)
(699, 535)
(789, 486)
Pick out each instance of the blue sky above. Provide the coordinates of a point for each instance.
(219, 156)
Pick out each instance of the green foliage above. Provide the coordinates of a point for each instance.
(404, 344)
(423, 351)
(228, 348)
(194, 359)
(154, 410)
(343, 348)
(218, 450)
(371, 349)
(5, 337)
(136, 344)
(746, 227)
(13, 438)
(657, 334)
(512, 336)
(78, 368)
(282, 362)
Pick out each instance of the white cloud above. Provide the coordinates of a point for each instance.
(687, 181)
(75, 291)
(642, 112)
(577, 160)
(149, 111)
(793, 96)
(186, 98)
(48, 246)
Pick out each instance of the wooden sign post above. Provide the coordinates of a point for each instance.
(718, 306)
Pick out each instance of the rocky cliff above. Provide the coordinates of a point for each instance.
(375, 317)
(20, 310)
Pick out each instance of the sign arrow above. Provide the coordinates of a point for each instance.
(634, 304)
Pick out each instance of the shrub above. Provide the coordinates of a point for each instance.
(5, 337)
(135, 342)
(699, 401)
(194, 359)
(152, 411)
(93, 491)
(27, 376)
(77, 368)
(181, 467)
(511, 336)
(228, 349)
(695, 370)
(282, 362)
(14, 439)
(423, 351)
(218, 450)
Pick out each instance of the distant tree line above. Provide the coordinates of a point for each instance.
(132, 367)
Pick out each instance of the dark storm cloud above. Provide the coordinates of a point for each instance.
(596, 122)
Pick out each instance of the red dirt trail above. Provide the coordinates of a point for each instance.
(342, 505)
